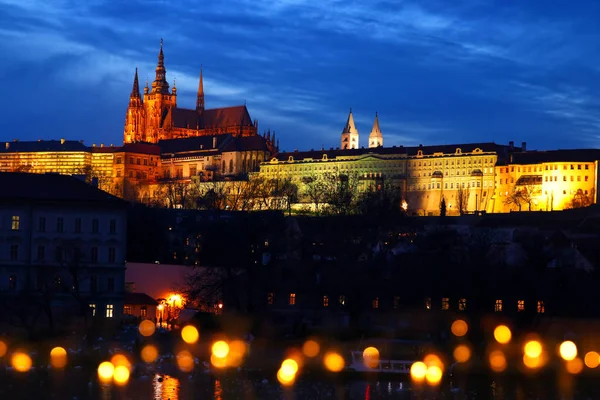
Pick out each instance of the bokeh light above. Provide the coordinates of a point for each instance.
(418, 371)
(149, 353)
(574, 366)
(185, 361)
(431, 360)
(220, 349)
(568, 350)
(289, 367)
(106, 371)
(190, 334)
(334, 362)
(58, 357)
(120, 360)
(237, 350)
(218, 362)
(433, 375)
(371, 357)
(3, 349)
(497, 361)
(533, 349)
(284, 378)
(502, 334)
(592, 359)
(459, 328)
(311, 348)
(462, 353)
(121, 375)
(21, 361)
(532, 362)
(147, 328)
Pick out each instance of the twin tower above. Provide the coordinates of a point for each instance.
(350, 134)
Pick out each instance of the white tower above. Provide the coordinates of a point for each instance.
(376, 138)
(350, 134)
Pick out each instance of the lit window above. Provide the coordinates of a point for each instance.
(462, 304)
(428, 303)
(541, 307)
(521, 305)
(342, 300)
(375, 302)
(292, 299)
(93, 307)
(16, 223)
(127, 310)
(325, 301)
(445, 303)
(396, 302)
(109, 310)
(270, 298)
(144, 309)
(498, 306)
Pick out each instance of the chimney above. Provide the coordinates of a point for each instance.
(511, 145)
(214, 142)
(7, 145)
(524, 146)
(62, 141)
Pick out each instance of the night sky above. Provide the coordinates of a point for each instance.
(437, 71)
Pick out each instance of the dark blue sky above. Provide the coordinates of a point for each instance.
(437, 71)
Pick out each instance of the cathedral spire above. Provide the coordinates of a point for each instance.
(350, 127)
(350, 134)
(200, 99)
(135, 91)
(160, 84)
(376, 137)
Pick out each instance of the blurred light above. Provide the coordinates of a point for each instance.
(147, 327)
(431, 360)
(502, 334)
(574, 366)
(161, 307)
(185, 361)
(121, 375)
(218, 362)
(106, 371)
(462, 353)
(190, 334)
(418, 371)
(533, 349)
(220, 305)
(568, 350)
(21, 362)
(532, 362)
(119, 360)
(3, 348)
(220, 349)
(149, 353)
(433, 375)
(311, 348)
(371, 357)
(592, 359)
(289, 367)
(284, 378)
(58, 357)
(334, 362)
(459, 328)
(237, 350)
(497, 361)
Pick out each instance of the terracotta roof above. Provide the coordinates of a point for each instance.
(52, 187)
(43, 145)
(569, 155)
(211, 118)
(139, 299)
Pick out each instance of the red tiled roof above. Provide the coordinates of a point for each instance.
(211, 118)
(139, 299)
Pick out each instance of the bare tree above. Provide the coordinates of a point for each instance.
(462, 199)
(529, 193)
(314, 189)
(580, 200)
(515, 198)
(341, 192)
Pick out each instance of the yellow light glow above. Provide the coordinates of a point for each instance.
(334, 362)
(533, 349)
(190, 334)
(237, 350)
(120, 360)
(459, 328)
(532, 362)
(592, 359)
(149, 353)
(185, 361)
(371, 357)
(289, 367)
(462, 353)
(285, 379)
(574, 366)
(147, 328)
(175, 300)
(21, 362)
(433, 360)
(568, 350)
(433, 375)
(161, 307)
(502, 334)
(121, 375)
(311, 348)
(497, 361)
(106, 371)
(418, 371)
(218, 362)
(58, 357)
(220, 349)
(3, 348)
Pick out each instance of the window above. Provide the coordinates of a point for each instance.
(586, 166)
(144, 309)
(145, 161)
(520, 305)
(498, 306)
(112, 255)
(14, 252)
(110, 285)
(95, 225)
(541, 307)
(16, 223)
(118, 173)
(59, 224)
(93, 284)
(42, 224)
(94, 255)
(118, 160)
(270, 298)
(375, 302)
(325, 301)
(41, 253)
(292, 299)
(193, 171)
(445, 303)
(396, 302)
(109, 310)
(342, 300)
(586, 178)
(127, 310)
(462, 304)
(77, 225)
(93, 308)
(130, 160)
(112, 226)
(12, 282)
(138, 161)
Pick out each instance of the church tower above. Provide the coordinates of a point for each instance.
(200, 98)
(350, 134)
(376, 137)
(134, 119)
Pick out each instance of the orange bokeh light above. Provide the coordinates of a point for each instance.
(106, 371)
(58, 357)
(3, 348)
(568, 350)
(462, 353)
(21, 361)
(185, 361)
(220, 349)
(418, 371)
(190, 334)
(334, 362)
(574, 366)
(311, 348)
(120, 360)
(497, 361)
(502, 334)
(149, 353)
(147, 328)
(592, 359)
(459, 328)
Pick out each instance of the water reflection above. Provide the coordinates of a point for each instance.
(165, 387)
(218, 390)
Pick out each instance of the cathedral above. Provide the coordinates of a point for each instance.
(155, 115)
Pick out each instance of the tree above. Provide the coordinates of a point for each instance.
(341, 192)
(443, 207)
(515, 198)
(529, 193)
(382, 199)
(462, 199)
(314, 189)
(580, 200)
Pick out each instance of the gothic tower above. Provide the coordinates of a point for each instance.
(200, 98)
(134, 119)
(350, 134)
(376, 137)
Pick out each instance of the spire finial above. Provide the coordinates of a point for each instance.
(135, 91)
(161, 42)
(200, 96)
